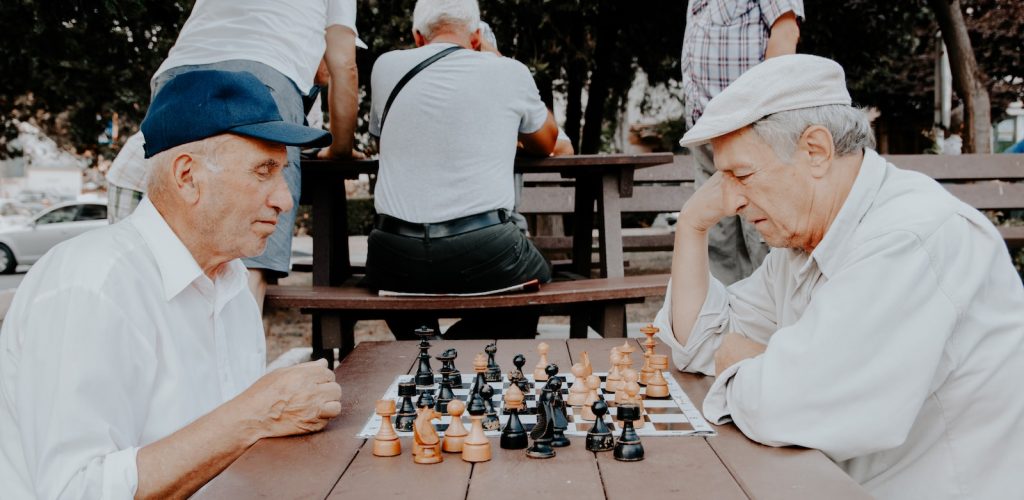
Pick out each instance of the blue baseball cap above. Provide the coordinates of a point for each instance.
(201, 104)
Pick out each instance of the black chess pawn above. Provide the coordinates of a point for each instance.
(513, 436)
(561, 422)
(628, 447)
(426, 399)
(490, 422)
(551, 370)
(406, 411)
(522, 382)
(444, 394)
(600, 438)
(424, 375)
(493, 370)
(543, 431)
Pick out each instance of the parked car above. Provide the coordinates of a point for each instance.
(26, 243)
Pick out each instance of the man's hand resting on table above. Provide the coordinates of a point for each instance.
(293, 400)
(735, 348)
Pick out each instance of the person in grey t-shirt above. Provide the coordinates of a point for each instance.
(444, 191)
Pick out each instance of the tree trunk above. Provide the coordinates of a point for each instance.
(968, 80)
(600, 80)
(575, 74)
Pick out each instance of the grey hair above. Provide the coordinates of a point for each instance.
(850, 128)
(431, 17)
(209, 149)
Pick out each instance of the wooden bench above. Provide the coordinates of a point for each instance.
(588, 302)
(986, 182)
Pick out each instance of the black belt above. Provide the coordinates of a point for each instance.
(453, 227)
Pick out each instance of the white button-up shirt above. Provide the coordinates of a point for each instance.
(896, 347)
(114, 340)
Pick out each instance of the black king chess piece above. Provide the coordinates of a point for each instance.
(522, 382)
(490, 421)
(628, 447)
(600, 438)
(493, 370)
(406, 411)
(557, 405)
(543, 431)
(424, 375)
(445, 393)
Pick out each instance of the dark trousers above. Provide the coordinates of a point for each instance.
(494, 257)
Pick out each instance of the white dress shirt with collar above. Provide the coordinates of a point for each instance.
(114, 340)
(896, 347)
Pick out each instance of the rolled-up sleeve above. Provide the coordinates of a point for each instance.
(772, 10)
(850, 376)
(746, 307)
(81, 419)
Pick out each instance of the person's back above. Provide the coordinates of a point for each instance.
(449, 141)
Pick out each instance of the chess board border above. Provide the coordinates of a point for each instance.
(698, 425)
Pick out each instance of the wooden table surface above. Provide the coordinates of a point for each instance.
(337, 464)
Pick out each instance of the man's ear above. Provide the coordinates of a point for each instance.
(816, 143)
(419, 38)
(474, 39)
(184, 169)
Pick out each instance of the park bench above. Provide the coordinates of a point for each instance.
(986, 182)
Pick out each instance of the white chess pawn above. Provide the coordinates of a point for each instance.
(593, 394)
(630, 394)
(613, 383)
(578, 391)
(538, 371)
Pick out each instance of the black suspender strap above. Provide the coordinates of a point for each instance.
(408, 76)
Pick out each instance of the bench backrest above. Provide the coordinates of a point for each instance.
(987, 182)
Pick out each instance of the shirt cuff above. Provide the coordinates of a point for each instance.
(121, 474)
(698, 355)
(716, 403)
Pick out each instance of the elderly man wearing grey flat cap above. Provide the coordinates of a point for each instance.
(886, 326)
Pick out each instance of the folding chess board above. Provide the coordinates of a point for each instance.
(672, 416)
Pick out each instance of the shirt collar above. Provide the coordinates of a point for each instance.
(827, 255)
(178, 268)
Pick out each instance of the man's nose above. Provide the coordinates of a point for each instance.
(281, 197)
(732, 195)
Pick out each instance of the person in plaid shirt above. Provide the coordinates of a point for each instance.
(723, 39)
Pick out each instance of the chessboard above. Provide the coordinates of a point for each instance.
(675, 415)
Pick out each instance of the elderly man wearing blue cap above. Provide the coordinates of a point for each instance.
(132, 359)
(886, 326)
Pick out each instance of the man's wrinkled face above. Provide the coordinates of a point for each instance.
(243, 194)
(776, 197)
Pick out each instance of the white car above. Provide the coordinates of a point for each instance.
(26, 243)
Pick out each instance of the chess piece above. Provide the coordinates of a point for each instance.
(657, 386)
(593, 395)
(454, 372)
(386, 443)
(406, 410)
(578, 390)
(424, 375)
(628, 447)
(538, 371)
(493, 370)
(480, 367)
(456, 433)
(426, 399)
(627, 349)
(490, 421)
(513, 436)
(560, 419)
(520, 380)
(543, 431)
(476, 447)
(588, 370)
(599, 437)
(445, 393)
(631, 392)
(613, 382)
(647, 371)
(426, 443)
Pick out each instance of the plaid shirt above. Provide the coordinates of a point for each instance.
(723, 39)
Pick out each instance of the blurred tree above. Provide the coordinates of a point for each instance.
(70, 65)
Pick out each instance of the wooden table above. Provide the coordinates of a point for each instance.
(336, 464)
